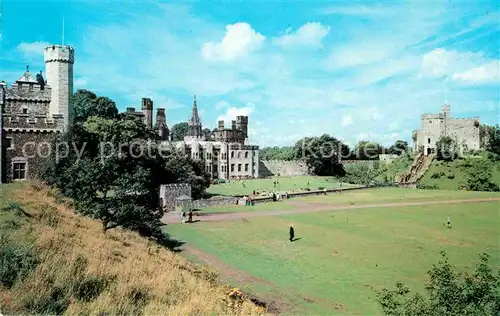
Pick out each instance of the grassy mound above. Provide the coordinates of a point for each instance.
(53, 261)
(453, 175)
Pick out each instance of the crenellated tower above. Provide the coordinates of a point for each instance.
(147, 110)
(59, 60)
(161, 127)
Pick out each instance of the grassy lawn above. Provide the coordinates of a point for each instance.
(243, 208)
(382, 195)
(286, 184)
(343, 256)
(451, 175)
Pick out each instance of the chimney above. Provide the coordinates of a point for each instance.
(233, 124)
(221, 125)
(130, 109)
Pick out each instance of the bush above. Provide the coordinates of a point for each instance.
(437, 175)
(321, 188)
(450, 175)
(424, 186)
(16, 261)
(448, 292)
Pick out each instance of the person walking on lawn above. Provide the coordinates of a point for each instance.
(292, 233)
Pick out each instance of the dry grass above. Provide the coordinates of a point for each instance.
(89, 272)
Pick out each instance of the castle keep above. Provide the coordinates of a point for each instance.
(34, 111)
(464, 131)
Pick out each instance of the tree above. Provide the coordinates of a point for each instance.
(361, 172)
(399, 147)
(479, 175)
(366, 150)
(277, 153)
(207, 133)
(446, 149)
(494, 140)
(448, 293)
(87, 104)
(179, 130)
(322, 154)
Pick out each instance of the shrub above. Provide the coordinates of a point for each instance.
(306, 189)
(321, 188)
(425, 186)
(450, 175)
(16, 261)
(437, 175)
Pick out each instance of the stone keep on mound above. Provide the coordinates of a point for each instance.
(170, 192)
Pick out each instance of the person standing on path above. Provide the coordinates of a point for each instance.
(292, 233)
(190, 216)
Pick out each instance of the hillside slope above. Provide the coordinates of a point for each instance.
(53, 261)
(452, 175)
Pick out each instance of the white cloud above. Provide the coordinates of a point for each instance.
(488, 72)
(240, 40)
(232, 112)
(33, 49)
(346, 120)
(309, 34)
(80, 82)
(441, 62)
(358, 10)
(222, 104)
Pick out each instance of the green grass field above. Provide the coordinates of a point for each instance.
(390, 194)
(286, 184)
(343, 256)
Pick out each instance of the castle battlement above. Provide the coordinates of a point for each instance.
(60, 53)
(21, 120)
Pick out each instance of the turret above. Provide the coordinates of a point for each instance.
(59, 62)
(233, 125)
(147, 110)
(161, 127)
(220, 125)
(242, 124)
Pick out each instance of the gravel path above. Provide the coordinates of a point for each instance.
(302, 207)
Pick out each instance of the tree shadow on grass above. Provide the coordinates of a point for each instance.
(165, 240)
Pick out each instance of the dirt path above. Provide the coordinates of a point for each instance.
(303, 207)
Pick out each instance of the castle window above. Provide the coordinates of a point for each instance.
(25, 111)
(215, 168)
(232, 167)
(430, 122)
(8, 143)
(19, 170)
(239, 167)
(246, 154)
(232, 154)
(246, 167)
(428, 140)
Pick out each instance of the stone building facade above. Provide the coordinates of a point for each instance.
(34, 111)
(227, 154)
(464, 131)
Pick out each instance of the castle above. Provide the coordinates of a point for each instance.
(464, 131)
(35, 110)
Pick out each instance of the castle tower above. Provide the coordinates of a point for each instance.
(161, 127)
(59, 62)
(242, 124)
(147, 110)
(194, 129)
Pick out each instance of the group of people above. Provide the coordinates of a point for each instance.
(190, 216)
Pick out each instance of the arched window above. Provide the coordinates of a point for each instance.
(246, 154)
(428, 140)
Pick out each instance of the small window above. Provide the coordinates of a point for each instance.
(239, 167)
(428, 140)
(246, 154)
(430, 122)
(25, 111)
(232, 167)
(232, 154)
(246, 167)
(19, 170)
(8, 143)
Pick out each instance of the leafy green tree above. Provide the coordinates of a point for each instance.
(366, 150)
(87, 104)
(277, 153)
(207, 133)
(362, 172)
(479, 177)
(446, 149)
(494, 140)
(179, 130)
(449, 293)
(399, 147)
(322, 154)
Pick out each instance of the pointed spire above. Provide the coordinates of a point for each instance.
(195, 122)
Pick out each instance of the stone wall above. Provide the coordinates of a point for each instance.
(170, 192)
(215, 201)
(269, 168)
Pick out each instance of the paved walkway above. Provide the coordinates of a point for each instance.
(171, 218)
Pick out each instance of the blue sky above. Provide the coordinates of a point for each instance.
(356, 70)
